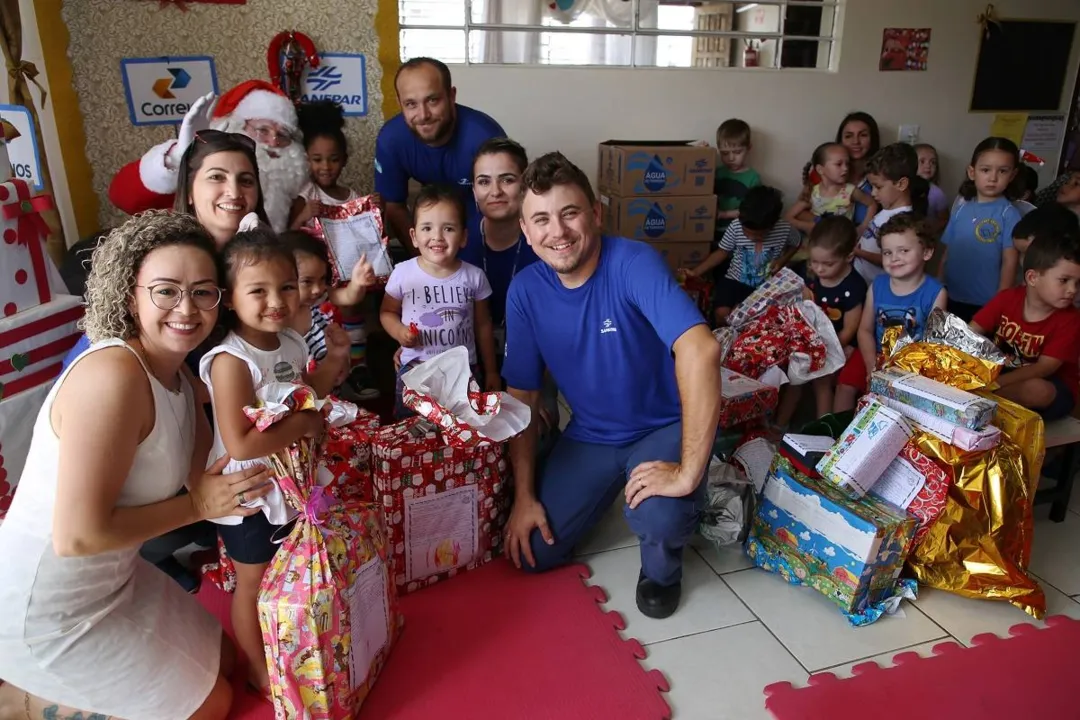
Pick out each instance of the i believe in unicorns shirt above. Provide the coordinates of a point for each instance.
(441, 308)
(608, 344)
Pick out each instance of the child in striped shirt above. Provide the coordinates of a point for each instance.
(326, 340)
(759, 244)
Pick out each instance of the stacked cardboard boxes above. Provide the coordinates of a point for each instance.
(661, 193)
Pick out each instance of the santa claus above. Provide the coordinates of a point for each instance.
(255, 108)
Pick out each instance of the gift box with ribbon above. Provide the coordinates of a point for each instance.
(32, 348)
(27, 274)
(744, 399)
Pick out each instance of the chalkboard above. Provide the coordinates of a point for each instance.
(1022, 66)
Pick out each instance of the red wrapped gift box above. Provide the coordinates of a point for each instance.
(444, 506)
(744, 399)
(347, 456)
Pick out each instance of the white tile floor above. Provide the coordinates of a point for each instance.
(739, 629)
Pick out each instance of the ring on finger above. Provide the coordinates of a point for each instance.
(240, 498)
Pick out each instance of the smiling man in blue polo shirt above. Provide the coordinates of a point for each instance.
(432, 140)
(640, 370)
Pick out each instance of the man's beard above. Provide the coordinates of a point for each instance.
(446, 129)
(281, 178)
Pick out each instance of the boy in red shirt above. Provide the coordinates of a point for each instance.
(1037, 324)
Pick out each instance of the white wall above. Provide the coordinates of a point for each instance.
(790, 111)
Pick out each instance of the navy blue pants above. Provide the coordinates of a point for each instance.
(579, 481)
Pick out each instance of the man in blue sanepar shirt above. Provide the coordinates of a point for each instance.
(432, 140)
(640, 370)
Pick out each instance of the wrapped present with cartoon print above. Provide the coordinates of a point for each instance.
(327, 606)
(849, 549)
(346, 458)
(443, 478)
(33, 344)
(948, 403)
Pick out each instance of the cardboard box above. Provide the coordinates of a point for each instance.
(851, 550)
(956, 406)
(629, 167)
(670, 219)
(681, 254)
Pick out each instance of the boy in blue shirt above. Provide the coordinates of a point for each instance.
(432, 140)
(904, 295)
(641, 372)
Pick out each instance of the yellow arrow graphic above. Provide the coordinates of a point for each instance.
(161, 88)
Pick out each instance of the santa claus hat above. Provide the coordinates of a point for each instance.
(256, 99)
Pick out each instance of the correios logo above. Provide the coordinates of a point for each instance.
(321, 80)
(163, 88)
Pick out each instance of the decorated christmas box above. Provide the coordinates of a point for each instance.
(28, 276)
(744, 399)
(937, 399)
(865, 449)
(444, 506)
(32, 347)
(347, 458)
(849, 549)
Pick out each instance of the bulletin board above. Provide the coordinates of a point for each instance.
(1022, 65)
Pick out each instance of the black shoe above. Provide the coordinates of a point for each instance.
(657, 601)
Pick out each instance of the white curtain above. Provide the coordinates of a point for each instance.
(524, 47)
(510, 47)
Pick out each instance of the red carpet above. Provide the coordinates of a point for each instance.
(1029, 675)
(498, 643)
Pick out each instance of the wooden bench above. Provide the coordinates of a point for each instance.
(1064, 433)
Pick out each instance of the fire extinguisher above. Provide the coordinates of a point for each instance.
(750, 55)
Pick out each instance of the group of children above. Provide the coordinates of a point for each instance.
(1009, 269)
(281, 314)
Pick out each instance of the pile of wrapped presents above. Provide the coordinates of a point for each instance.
(930, 482)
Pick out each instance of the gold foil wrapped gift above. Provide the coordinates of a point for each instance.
(980, 546)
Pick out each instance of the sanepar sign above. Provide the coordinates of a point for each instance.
(160, 90)
(340, 78)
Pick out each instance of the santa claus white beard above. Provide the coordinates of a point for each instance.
(281, 175)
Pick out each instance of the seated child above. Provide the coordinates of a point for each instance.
(436, 301)
(759, 243)
(1050, 220)
(903, 296)
(830, 191)
(840, 292)
(893, 172)
(1069, 193)
(734, 176)
(328, 344)
(1037, 325)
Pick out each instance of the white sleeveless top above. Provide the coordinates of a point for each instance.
(311, 191)
(105, 633)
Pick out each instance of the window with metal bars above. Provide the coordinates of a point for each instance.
(772, 34)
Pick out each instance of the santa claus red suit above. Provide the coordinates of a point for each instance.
(150, 182)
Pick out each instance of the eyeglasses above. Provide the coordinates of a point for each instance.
(167, 296)
(218, 135)
(268, 135)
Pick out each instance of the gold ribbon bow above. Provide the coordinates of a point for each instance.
(987, 18)
(29, 72)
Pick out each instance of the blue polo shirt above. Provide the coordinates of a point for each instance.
(500, 266)
(608, 344)
(400, 155)
(977, 236)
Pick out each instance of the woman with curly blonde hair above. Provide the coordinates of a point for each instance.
(87, 626)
